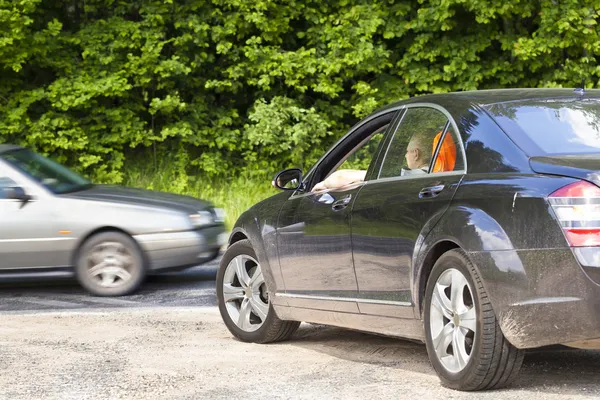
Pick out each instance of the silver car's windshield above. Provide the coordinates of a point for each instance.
(52, 175)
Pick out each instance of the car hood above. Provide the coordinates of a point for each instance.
(581, 166)
(141, 197)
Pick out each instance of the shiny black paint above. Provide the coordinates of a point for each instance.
(518, 218)
(315, 243)
(387, 219)
(488, 149)
(497, 213)
(582, 166)
(258, 224)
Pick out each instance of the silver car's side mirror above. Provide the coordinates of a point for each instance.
(16, 193)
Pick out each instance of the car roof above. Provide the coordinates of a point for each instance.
(488, 97)
(8, 147)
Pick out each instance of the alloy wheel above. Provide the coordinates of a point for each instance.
(245, 293)
(110, 264)
(453, 320)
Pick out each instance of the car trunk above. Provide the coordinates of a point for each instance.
(583, 166)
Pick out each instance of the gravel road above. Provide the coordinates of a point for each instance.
(168, 341)
(186, 353)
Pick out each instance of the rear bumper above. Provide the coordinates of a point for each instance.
(541, 297)
(179, 249)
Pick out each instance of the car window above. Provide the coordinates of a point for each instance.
(362, 156)
(52, 175)
(414, 143)
(557, 126)
(5, 182)
(352, 165)
(449, 157)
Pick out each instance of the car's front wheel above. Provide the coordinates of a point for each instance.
(110, 264)
(244, 300)
(465, 344)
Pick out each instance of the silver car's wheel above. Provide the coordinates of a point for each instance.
(243, 297)
(245, 293)
(453, 320)
(110, 264)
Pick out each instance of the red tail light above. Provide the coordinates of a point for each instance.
(577, 207)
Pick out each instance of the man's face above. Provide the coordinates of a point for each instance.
(412, 155)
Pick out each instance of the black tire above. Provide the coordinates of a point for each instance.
(272, 329)
(137, 269)
(494, 362)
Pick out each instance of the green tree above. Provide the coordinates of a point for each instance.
(225, 85)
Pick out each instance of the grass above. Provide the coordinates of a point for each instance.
(234, 194)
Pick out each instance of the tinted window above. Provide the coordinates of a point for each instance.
(449, 157)
(413, 145)
(53, 176)
(554, 126)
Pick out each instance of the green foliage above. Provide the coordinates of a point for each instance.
(235, 194)
(227, 86)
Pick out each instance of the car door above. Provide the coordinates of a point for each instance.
(418, 176)
(313, 233)
(28, 231)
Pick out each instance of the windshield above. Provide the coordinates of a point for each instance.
(563, 126)
(52, 175)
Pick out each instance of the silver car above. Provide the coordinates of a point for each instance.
(55, 222)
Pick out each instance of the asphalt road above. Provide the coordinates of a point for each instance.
(168, 341)
(193, 287)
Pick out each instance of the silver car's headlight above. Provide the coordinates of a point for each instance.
(202, 218)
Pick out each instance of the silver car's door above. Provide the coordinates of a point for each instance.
(29, 233)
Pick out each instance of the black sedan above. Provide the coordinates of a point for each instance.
(469, 221)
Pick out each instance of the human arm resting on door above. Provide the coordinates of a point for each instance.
(341, 178)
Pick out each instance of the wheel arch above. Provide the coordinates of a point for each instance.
(422, 274)
(236, 235)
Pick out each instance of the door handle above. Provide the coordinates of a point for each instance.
(341, 203)
(325, 198)
(430, 191)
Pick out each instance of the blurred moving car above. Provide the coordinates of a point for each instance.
(54, 222)
(476, 229)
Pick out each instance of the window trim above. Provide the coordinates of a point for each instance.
(298, 193)
(433, 159)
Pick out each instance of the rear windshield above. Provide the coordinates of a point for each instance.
(564, 126)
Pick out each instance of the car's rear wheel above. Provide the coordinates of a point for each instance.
(110, 264)
(465, 344)
(243, 298)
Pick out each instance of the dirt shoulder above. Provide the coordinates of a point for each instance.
(187, 353)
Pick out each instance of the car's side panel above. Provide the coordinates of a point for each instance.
(388, 219)
(314, 242)
(389, 326)
(29, 232)
(544, 299)
(517, 246)
(504, 212)
(258, 225)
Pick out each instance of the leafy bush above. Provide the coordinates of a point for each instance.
(238, 85)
